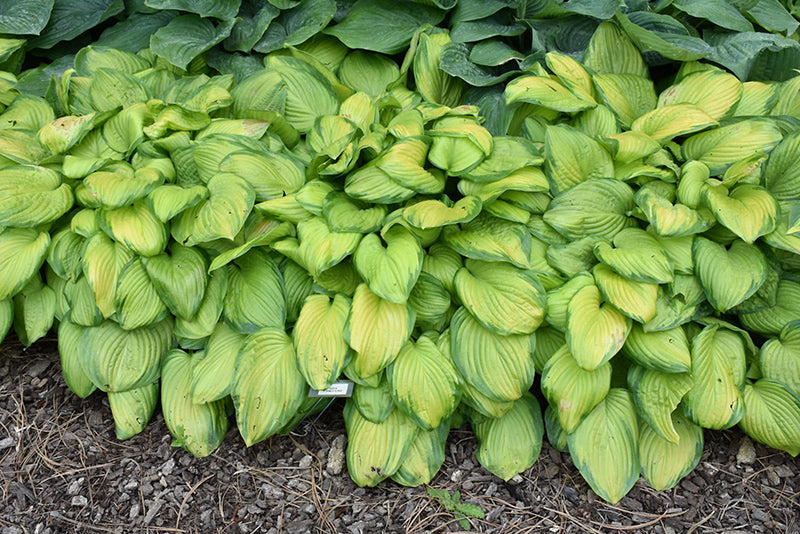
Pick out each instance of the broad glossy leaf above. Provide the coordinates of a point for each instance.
(319, 341)
(103, 260)
(781, 174)
(256, 296)
(297, 22)
(69, 340)
(374, 402)
(728, 275)
(772, 416)
(629, 96)
(434, 84)
(559, 298)
(546, 92)
(718, 375)
(26, 17)
(110, 89)
(489, 238)
(63, 133)
(271, 175)
(70, 18)
(573, 257)
(664, 123)
(133, 409)
(179, 277)
(34, 311)
(721, 147)
(424, 383)
(598, 206)
(572, 157)
(611, 51)
(664, 463)
(268, 388)
(212, 372)
(605, 446)
(424, 458)
(376, 451)
(657, 395)
(749, 211)
(595, 331)
(31, 196)
(316, 247)
(657, 201)
(503, 298)
(435, 213)
(664, 350)
(633, 299)
(636, 255)
(376, 330)
(779, 358)
(508, 157)
(136, 299)
(197, 428)
(302, 80)
(431, 301)
(167, 200)
(119, 360)
(459, 144)
(510, 444)
(500, 367)
(136, 227)
(368, 72)
(298, 284)
(390, 271)
(118, 185)
(714, 91)
(187, 36)
(772, 320)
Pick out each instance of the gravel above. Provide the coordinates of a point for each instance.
(64, 471)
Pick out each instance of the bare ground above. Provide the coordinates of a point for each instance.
(63, 471)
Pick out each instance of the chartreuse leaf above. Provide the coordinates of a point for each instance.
(316, 247)
(256, 296)
(221, 215)
(34, 311)
(26, 112)
(110, 89)
(431, 301)
(302, 80)
(136, 227)
(748, 210)
(548, 341)
(510, 157)
(490, 238)
(664, 123)
(427, 214)
(721, 147)
(198, 428)
(595, 331)
(212, 373)
(772, 320)
(119, 360)
(31, 196)
(559, 298)
(656, 200)
(64, 132)
(636, 255)
(103, 260)
(656, 395)
(375, 451)
(503, 298)
(167, 200)
(598, 206)
(136, 299)
(270, 174)
(633, 299)
(299, 285)
(677, 304)
(390, 271)
(179, 277)
(781, 173)
(772, 416)
(424, 458)
(374, 402)
(718, 375)
(424, 383)
(629, 96)
(611, 51)
(368, 72)
(319, 340)
(118, 184)
(728, 275)
(510, 444)
(133, 409)
(546, 92)
(69, 341)
(267, 387)
(664, 350)
(605, 446)
(779, 357)
(376, 330)
(442, 262)
(665, 463)
(498, 366)
(21, 147)
(714, 91)
(459, 144)
(81, 303)
(434, 84)
(572, 157)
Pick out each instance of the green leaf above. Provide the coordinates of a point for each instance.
(424, 458)
(664, 463)
(25, 17)
(187, 36)
(779, 358)
(133, 409)
(572, 157)
(256, 297)
(32, 196)
(454, 59)
(70, 18)
(390, 271)
(668, 36)
(219, 9)
(69, 340)
(656, 395)
(664, 350)
(510, 444)
(489, 238)
(296, 25)
(753, 55)
(22, 252)
(597, 206)
(595, 331)
(728, 275)
(605, 446)
(722, 14)
(133, 33)
(773, 319)
(383, 25)
(136, 300)
(319, 341)
(771, 15)
(772, 416)
(34, 311)
(136, 227)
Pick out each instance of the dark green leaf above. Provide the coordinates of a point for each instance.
(25, 17)
(754, 55)
(599, 9)
(499, 24)
(771, 15)
(662, 34)
(383, 25)
(568, 35)
(491, 102)
(454, 60)
(133, 33)
(240, 65)
(71, 18)
(720, 13)
(296, 25)
(219, 9)
(186, 37)
(493, 52)
(477, 9)
(255, 19)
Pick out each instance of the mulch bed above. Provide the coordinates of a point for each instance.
(63, 470)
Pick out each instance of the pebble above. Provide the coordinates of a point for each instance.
(457, 475)
(336, 457)
(772, 476)
(7, 443)
(747, 452)
(75, 486)
(783, 471)
(152, 510)
(168, 467)
(79, 500)
(38, 368)
(305, 462)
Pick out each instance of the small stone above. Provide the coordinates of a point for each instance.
(515, 480)
(131, 485)
(135, 508)
(457, 475)
(79, 500)
(152, 511)
(38, 368)
(75, 486)
(336, 460)
(774, 479)
(783, 471)
(747, 452)
(6, 443)
(168, 467)
(689, 486)
(305, 462)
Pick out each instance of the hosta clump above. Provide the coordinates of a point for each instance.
(672, 225)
